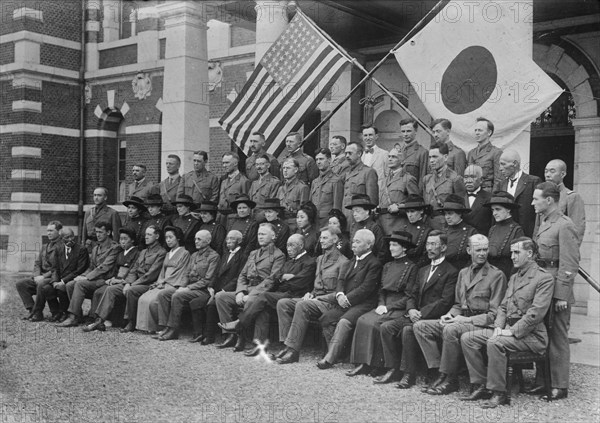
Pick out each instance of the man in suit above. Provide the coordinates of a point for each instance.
(359, 178)
(307, 168)
(141, 186)
(356, 294)
(258, 275)
(486, 155)
(264, 186)
(327, 190)
(479, 217)
(432, 298)
(70, 262)
(479, 291)
(42, 273)
(230, 266)
(337, 146)
(296, 278)
(518, 326)
(374, 156)
(233, 184)
(558, 245)
(102, 260)
(256, 141)
(457, 159)
(167, 188)
(293, 192)
(521, 186)
(414, 156)
(99, 213)
(199, 184)
(294, 314)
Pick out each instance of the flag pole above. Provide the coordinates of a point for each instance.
(369, 74)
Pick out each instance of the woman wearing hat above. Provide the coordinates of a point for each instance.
(398, 279)
(184, 220)
(208, 215)
(272, 210)
(361, 207)
(306, 219)
(503, 231)
(337, 219)
(458, 231)
(244, 222)
(417, 224)
(172, 275)
(156, 217)
(135, 220)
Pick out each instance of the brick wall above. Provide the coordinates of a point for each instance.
(7, 53)
(60, 105)
(60, 57)
(144, 149)
(118, 56)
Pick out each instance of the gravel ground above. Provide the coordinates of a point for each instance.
(50, 374)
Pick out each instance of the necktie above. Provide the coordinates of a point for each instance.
(432, 271)
(356, 263)
(512, 182)
(231, 254)
(68, 252)
(137, 184)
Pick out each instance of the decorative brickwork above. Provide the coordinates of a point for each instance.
(60, 57)
(7, 53)
(60, 104)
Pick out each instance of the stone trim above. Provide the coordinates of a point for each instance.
(21, 197)
(26, 174)
(27, 12)
(22, 151)
(39, 38)
(30, 128)
(26, 106)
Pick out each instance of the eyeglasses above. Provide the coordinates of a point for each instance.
(432, 244)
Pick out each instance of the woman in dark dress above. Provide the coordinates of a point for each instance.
(244, 222)
(416, 223)
(338, 220)
(208, 215)
(184, 220)
(306, 219)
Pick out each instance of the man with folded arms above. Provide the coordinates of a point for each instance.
(479, 291)
(518, 326)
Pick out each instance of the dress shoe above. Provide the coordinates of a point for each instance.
(290, 356)
(361, 369)
(207, 340)
(377, 371)
(407, 381)
(196, 338)
(97, 325)
(480, 392)
(229, 341)
(55, 317)
(229, 327)
(392, 375)
(536, 390)
(129, 328)
(440, 379)
(29, 315)
(499, 398)
(280, 354)
(69, 322)
(449, 385)
(37, 317)
(324, 364)
(160, 333)
(252, 352)
(64, 317)
(240, 344)
(556, 394)
(169, 335)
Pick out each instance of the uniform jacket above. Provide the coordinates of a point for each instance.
(251, 172)
(328, 271)
(395, 187)
(458, 241)
(485, 291)
(248, 227)
(360, 179)
(416, 160)
(419, 231)
(264, 188)
(66, 269)
(488, 158)
(436, 189)
(282, 233)
(201, 187)
(46, 259)
(480, 217)
(339, 165)
(360, 284)
(230, 189)
(217, 233)
(500, 237)
(102, 260)
(311, 238)
(147, 266)
(327, 192)
(303, 270)
(229, 271)
(457, 159)
(202, 269)
(308, 168)
(397, 278)
(95, 215)
(189, 225)
(378, 246)
(435, 297)
(261, 270)
(292, 194)
(142, 190)
(525, 215)
(160, 221)
(377, 162)
(168, 191)
(137, 225)
(571, 205)
(174, 270)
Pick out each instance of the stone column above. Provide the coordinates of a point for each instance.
(147, 34)
(185, 123)
(271, 21)
(346, 122)
(92, 28)
(112, 18)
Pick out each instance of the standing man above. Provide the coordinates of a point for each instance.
(521, 186)
(99, 213)
(264, 186)
(233, 184)
(457, 159)
(293, 192)
(141, 186)
(486, 155)
(414, 156)
(42, 274)
(199, 184)
(167, 188)
(257, 149)
(359, 178)
(479, 217)
(337, 146)
(327, 191)
(374, 157)
(558, 245)
(306, 164)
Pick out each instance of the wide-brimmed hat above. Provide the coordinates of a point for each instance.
(207, 206)
(504, 199)
(154, 200)
(184, 199)
(401, 237)
(135, 201)
(361, 200)
(242, 198)
(454, 203)
(271, 204)
(414, 201)
(129, 232)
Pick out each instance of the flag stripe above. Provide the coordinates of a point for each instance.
(247, 86)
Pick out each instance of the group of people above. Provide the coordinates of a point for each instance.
(396, 254)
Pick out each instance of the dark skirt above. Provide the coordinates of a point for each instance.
(366, 344)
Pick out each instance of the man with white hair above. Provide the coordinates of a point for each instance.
(356, 294)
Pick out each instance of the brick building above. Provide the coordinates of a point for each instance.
(92, 87)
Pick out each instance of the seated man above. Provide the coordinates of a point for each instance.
(145, 270)
(42, 273)
(479, 291)
(102, 260)
(258, 275)
(356, 294)
(296, 278)
(273, 211)
(295, 313)
(202, 271)
(519, 325)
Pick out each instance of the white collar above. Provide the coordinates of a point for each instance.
(363, 256)
(517, 176)
(438, 261)
(235, 250)
(300, 255)
(128, 250)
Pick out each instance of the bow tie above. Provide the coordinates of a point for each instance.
(369, 150)
(471, 194)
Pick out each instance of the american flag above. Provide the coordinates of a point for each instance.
(288, 83)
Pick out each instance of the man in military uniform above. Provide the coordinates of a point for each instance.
(414, 156)
(264, 186)
(99, 213)
(167, 188)
(141, 186)
(233, 184)
(293, 192)
(374, 156)
(199, 184)
(307, 168)
(359, 178)
(518, 326)
(479, 290)
(327, 191)
(486, 155)
(457, 159)
(558, 245)
(337, 146)
(257, 148)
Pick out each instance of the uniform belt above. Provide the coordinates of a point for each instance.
(547, 263)
(469, 313)
(512, 320)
